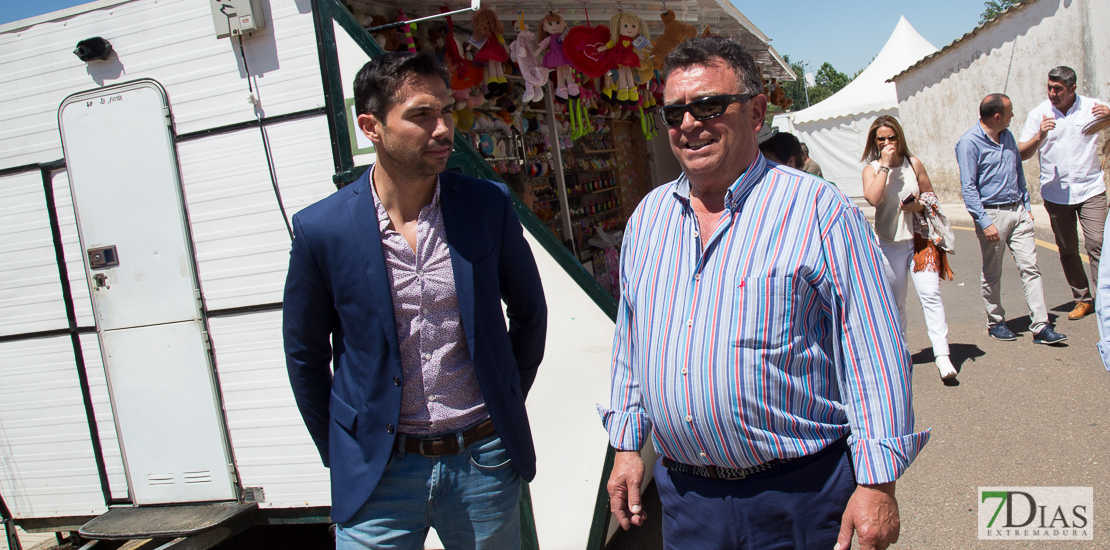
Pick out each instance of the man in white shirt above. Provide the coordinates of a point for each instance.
(1072, 183)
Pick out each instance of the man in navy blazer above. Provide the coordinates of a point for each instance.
(396, 284)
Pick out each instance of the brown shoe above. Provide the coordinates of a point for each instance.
(1082, 309)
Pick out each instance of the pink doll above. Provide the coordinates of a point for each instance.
(523, 51)
(552, 30)
(629, 33)
(490, 43)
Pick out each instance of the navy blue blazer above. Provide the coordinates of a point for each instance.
(338, 310)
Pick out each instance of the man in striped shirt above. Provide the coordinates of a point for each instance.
(756, 339)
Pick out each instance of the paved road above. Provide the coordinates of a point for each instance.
(1018, 414)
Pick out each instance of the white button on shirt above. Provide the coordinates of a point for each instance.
(1070, 170)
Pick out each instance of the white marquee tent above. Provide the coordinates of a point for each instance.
(835, 129)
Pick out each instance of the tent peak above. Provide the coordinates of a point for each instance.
(869, 91)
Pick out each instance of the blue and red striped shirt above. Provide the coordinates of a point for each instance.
(775, 341)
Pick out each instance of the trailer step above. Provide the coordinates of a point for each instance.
(170, 522)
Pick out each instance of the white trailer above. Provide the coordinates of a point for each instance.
(145, 203)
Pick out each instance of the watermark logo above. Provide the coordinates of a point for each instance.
(1036, 513)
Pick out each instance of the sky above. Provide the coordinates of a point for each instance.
(845, 33)
(849, 33)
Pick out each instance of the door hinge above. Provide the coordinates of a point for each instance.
(166, 113)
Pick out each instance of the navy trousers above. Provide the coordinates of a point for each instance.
(794, 506)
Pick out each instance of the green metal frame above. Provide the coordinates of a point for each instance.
(467, 160)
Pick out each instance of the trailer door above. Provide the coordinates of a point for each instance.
(139, 263)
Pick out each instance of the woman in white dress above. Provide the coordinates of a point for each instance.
(894, 182)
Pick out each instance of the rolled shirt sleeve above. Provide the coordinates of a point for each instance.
(875, 366)
(626, 420)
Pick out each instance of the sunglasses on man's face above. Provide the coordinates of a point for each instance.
(701, 109)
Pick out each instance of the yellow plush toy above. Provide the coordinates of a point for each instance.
(464, 119)
(675, 32)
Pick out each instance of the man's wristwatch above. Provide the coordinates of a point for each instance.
(884, 169)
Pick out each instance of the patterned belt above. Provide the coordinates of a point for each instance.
(716, 472)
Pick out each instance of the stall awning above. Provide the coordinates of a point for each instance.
(721, 15)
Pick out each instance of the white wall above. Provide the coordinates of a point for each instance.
(46, 463)
(171, 41)
(939, 100)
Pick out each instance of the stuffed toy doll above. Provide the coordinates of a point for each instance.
(553, 30)
(628, 33)
(391, 40)
(675, 32)
(407, 31)
(523, 51)
(488, 39)
(464, 75)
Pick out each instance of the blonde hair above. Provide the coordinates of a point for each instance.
(549, 18)
(615, 25)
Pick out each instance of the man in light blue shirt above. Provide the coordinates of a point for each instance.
(995, 194)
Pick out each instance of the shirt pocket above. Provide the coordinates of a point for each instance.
(764, 306)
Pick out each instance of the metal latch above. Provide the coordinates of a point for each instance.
(101, 281)
(103, 257)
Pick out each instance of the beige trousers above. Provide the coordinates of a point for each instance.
(1015, 231)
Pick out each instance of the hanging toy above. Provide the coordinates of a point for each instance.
(553, 30)
(523, 52)
(574, 115)
(628, 33)
(584, 46)
(642, 76)
(408, 30)
(490, 43)
(675, 32)
(582, 115)
(608, 87)
(464, 75)
(647, 124)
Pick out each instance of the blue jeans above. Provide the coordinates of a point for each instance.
(472, 498)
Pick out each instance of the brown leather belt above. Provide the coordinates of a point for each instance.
(446, 444)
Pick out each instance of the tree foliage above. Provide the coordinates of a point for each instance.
(991, 9)
(795, 90)
(828, 81)
(830, 78)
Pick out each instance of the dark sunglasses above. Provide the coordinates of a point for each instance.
(883, 139)
(701, 109)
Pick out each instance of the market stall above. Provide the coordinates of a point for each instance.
(560, 104)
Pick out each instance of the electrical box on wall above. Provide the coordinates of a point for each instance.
(237, 17)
